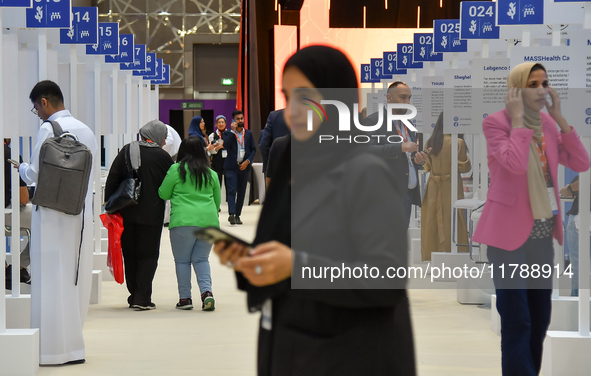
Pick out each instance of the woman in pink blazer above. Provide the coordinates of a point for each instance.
(521, 214)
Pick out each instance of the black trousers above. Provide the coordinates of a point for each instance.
(140, 245)
(524, 303)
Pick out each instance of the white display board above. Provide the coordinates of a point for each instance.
(374, 100)
(578, 108)
(556, 60)
(458, 102)
(489, 82)
(433, 98)
(415, 83)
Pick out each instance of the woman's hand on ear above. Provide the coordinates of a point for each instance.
(514, 104)
(555, 111)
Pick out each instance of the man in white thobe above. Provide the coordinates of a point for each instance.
(58, 304)
(171, 146)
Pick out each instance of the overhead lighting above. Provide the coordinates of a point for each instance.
(164, 14)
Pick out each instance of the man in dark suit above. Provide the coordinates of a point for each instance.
(274, 129)
(241, 150)
(404, 158)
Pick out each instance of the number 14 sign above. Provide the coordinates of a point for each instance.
(84, 28)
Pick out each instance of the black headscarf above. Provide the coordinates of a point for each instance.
(326, 68)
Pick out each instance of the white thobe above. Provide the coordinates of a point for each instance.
(58, 306)
(173, 141)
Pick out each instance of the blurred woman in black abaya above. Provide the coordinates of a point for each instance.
(328, 204)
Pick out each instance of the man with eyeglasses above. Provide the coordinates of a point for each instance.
(404, 158)
(58, 305)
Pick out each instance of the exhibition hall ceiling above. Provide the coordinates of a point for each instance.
(163, 24)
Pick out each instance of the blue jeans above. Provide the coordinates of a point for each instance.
(525, 306)
(186, 251)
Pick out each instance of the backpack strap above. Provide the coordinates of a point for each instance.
(57, 128)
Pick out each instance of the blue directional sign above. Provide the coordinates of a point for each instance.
(365, 68)
(84, 28)
(139, 59)
(477, 20)
(157, 72)
(108, 43)
(520, 12)
(423, 48)
(376, 73)
(447, 36)
(165, 76)
(125, 50)
(389, 64)
(150, 66)
(404, 56)
(16, 3)
(50, 14)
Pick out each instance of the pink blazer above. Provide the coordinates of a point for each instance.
(507, 219)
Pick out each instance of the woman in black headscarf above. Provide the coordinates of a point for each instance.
(342, 214)
(140, 241)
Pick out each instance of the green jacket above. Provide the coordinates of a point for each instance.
(191, 206)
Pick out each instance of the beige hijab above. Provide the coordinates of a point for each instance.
(536, 182)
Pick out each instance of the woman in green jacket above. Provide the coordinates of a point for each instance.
(194, 193)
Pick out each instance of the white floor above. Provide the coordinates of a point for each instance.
(450, 339)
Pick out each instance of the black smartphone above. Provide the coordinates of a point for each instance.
(214, 234)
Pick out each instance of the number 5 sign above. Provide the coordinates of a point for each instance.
(447, 36)
(108, 43)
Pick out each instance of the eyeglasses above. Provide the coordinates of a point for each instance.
(35, 111)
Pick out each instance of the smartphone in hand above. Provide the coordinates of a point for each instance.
(213, 234)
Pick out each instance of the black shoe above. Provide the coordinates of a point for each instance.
(208, 301)
(238, 221)
(147, 307)
(25, 276)
(79, 361)
(185, 304)
(232, 219)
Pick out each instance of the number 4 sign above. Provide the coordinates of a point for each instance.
(84, 28)
(478, 20)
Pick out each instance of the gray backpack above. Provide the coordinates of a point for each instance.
(64, 169)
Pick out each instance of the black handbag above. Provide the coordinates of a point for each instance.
(128, 192)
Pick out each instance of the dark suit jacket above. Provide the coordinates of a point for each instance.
(231, 145)
(317, 331)
(395, 159)
(275, 128)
